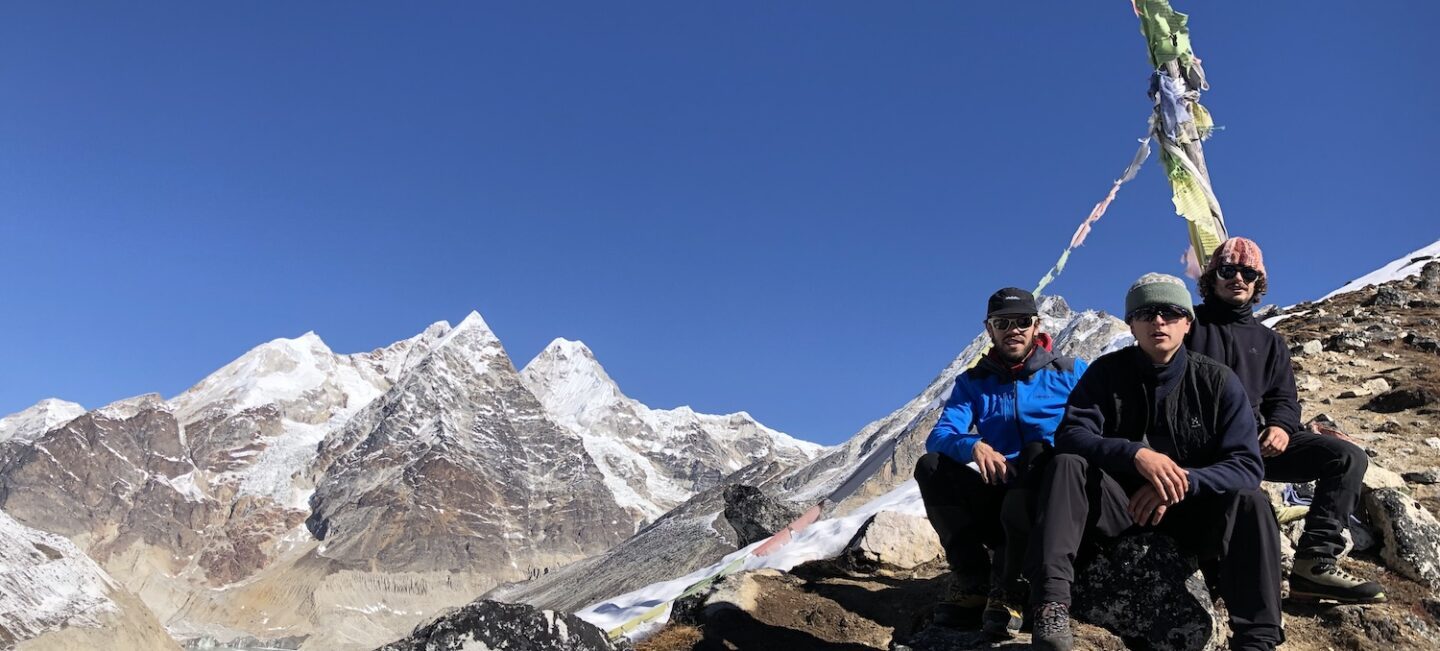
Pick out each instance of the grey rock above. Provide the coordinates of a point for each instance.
(754, 515)
(1430, 276)
(1311, 347)
(1143, 588)
(1411, 535)
(1387, 296)
(1427, 477)
(1345, 342)
(1422, 343)
(1307, 382)
(494, 625)
(1377, 477)
(1400, 399)
(892, 544)
(1433, 442)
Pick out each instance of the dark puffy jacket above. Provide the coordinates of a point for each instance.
(1008, 407)
(1231, 335)
(1193, 410)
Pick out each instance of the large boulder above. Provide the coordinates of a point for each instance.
(1145, 590)
(892, 544)
(1411, 535)
(754, 515)
(770, 609)
(488, 624)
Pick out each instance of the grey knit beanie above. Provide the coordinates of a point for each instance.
(1158, 289)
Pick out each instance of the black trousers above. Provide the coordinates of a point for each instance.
(1076, 498)
(1337, 467)
(975, 519)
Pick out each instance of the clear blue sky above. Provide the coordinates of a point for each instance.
(791, 208)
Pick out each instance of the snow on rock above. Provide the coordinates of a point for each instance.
(50, 592)
(43, 416)
(46, 582)
(1403, 267)
(651, 459)
(823, 539)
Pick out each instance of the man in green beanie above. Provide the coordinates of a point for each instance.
(1156, 438)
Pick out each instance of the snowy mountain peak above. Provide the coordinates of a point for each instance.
(280, 370)
(130, 407)
(472, 333)
(30, 423)
(572, 385)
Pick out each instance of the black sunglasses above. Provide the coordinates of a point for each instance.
(1228, 271)
(1167, 313)
(1002, 324)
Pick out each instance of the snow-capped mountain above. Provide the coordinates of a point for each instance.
(457, 453)
(25, 426)
(651, 459)
(428, 469)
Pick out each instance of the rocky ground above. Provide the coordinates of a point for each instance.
(1367, 365)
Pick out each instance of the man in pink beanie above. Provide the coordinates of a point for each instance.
(1226, 330)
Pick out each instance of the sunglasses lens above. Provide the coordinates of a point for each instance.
(1228, 271)
(1002, 324)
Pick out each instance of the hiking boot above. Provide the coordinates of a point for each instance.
(1052, 628)
(1001, 619)
(1315, 579)
(962, 605)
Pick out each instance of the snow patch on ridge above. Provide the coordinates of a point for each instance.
(1402, 268)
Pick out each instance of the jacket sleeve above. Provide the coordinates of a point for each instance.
(1082, 430)
(1240, 466)
(1280, 405)
(951, 435)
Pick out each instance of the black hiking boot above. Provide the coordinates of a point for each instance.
(1052, 628)
(1320, 579)
(962, 605)
(1001, 619)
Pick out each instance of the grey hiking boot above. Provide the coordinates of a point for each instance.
(1316, 579)
(1052, 628)
(963, 603)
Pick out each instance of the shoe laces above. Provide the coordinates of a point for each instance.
(1334, 569)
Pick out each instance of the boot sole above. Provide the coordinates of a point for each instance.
(1320, 598)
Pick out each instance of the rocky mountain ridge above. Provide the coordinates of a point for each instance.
(296, 491)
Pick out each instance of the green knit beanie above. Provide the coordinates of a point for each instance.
(1158, 289)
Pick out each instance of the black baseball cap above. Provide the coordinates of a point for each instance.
(1011, 301)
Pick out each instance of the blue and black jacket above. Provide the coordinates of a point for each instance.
(1008, 407)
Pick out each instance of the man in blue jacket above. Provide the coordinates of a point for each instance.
(1155, 437)
(1013, 399)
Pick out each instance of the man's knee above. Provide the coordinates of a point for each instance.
(927, 467)
(1353, 460)
(1068, 465)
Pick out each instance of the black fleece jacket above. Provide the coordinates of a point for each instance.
(1192, 410)
(1232, 336)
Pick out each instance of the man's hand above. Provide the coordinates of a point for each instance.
(991, 464)
(1146, 507)
(1167, 477)
(1273, 441)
